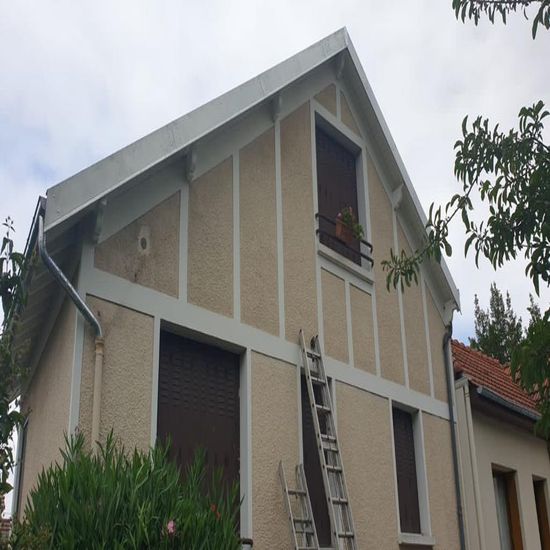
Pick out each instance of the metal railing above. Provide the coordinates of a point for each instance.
(341, 244)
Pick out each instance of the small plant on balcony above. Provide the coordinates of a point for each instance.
(348, 229)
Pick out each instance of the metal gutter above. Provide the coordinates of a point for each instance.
(495, 398)
(87, 313)
(452, 422)
(60, 277)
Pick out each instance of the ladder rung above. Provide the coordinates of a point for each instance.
(317, 380)
(346, 535)
(323, 408)
(339, 500)
(334, 468)
(307, 548)
(330, 438)
(313, 354)
(297, 492)
(301, 520)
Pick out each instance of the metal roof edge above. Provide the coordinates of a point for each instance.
(86, 187)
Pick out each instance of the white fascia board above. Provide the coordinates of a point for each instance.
(93, 183)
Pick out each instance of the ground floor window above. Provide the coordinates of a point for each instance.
(509, 526)
(198, 403)
(539, 486)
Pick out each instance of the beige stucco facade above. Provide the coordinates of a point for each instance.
(244, 267)
(47, 401)
(486, 443)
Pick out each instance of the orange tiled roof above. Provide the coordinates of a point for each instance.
(489, 373)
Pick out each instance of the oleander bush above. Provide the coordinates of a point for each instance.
(119, 500)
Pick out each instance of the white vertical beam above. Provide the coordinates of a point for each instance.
(351, 358)
(400, 301)
(422, 474)
(184, 240)
(279, 212)
(246, 443)
(236, 240)
(320, 324)
(368, 218)
(427, 330)
(155, 379)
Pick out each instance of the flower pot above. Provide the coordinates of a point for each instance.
(344, 232)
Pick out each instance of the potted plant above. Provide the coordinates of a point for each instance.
(347, 227)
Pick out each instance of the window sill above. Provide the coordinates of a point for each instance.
(363, 273)
(414, 539)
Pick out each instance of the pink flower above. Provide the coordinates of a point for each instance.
(171, 527)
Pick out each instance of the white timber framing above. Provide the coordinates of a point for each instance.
(245, 399)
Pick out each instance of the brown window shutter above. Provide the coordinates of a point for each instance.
(336, 189)
(405, 464)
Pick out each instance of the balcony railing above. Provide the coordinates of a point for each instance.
(339, 245)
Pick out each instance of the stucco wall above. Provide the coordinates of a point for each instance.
(126, 390)
(258, 234)
(327, 98)
(146, 251)
(362, 330)
(210, 248)
(441, 488)
(347, 116)
(415, 329)
(334, 316)
(501, 444)
(298, 233)
(274, 438)
(365, 435)
(437, 331)
(387, 304)
(47, 400)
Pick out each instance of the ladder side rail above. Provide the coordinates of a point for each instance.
(343, 484)
(301, 475)
(288, 505)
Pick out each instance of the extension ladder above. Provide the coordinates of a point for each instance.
(341, 521)
(299, 511)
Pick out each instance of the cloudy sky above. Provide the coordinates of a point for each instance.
(79, 80)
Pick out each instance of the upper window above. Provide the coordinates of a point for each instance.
(337, 190)
(405, 465)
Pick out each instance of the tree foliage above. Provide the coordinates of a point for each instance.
(12, 293)
(475, 9)
(509, 173)
(498, 330)
(120, 500)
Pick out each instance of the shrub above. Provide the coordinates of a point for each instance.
(119, 500)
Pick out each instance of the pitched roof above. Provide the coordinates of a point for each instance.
(69, 200)
(485, 372)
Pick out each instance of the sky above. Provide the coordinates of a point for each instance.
(79, 80)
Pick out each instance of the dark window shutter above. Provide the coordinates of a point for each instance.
(312, 469)
(405, 464)
(198, 403)
(336, 189)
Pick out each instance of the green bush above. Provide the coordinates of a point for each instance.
(127, 501)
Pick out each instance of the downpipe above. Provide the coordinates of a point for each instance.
(452, 423)
(87, 313)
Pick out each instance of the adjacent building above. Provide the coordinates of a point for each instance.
(505, 465)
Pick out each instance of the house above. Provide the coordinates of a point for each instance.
(199, 253)
(505, 465)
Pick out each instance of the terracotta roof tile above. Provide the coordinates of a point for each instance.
(485, 371)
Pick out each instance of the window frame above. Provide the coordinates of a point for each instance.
(425, 537)
(514, 523)
(540, 489)
(336, 130)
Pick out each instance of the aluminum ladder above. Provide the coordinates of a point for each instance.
(300, 514)
(341, 520)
